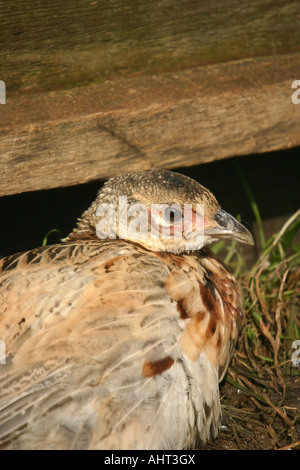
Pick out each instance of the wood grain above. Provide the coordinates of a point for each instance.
(47, 45)
(96, 89)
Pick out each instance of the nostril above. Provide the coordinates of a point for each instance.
(222, 218)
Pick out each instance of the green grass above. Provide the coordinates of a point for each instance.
(46, 237)
(262, 367)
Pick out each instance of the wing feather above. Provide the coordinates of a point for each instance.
(93, 334)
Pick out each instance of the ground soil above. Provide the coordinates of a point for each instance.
(247, 427)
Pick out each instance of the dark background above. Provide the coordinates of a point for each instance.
(273, 178)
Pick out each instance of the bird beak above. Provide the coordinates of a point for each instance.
(228, 227)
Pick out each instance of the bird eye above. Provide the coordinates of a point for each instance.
(172, 215)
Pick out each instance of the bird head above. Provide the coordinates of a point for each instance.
(160, 210)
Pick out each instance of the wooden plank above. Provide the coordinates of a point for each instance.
(50, 44)
(96, 89)
(165, 121)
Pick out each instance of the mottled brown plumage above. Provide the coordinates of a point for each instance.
(119, 343)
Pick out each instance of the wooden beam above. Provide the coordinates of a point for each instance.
(49, 45)
(94, 91)
(69, 137)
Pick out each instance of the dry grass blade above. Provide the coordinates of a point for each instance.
(291, 446)
(266, 253)
(263, 382)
